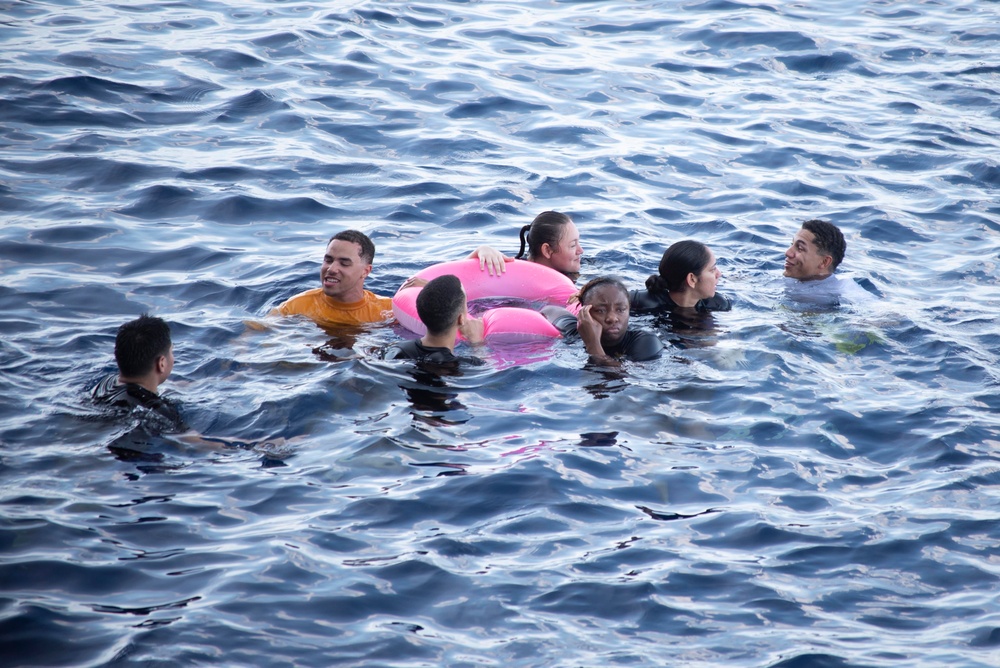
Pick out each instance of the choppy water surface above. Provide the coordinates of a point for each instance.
(790, 487)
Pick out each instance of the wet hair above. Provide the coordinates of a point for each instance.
(679, 260)
(359, 238)
(598, 282)
(546, 228)
(139, 343)
(829, 240)
(440, 302)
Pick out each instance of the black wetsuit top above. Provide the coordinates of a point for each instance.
(637, 344)
(131, 396)
(415, 350)
(644, 302)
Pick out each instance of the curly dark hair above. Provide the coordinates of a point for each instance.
(828, 238)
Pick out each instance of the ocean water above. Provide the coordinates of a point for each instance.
(790, 485)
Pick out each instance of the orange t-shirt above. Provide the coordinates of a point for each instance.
(328, 313)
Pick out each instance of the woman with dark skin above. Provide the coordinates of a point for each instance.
(602, 323)
(686, 281)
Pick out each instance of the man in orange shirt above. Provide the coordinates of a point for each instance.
(342, 299)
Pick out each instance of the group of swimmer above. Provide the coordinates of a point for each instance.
(686, 280)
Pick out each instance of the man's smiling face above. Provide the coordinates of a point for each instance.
(804, 261)
(344, 271)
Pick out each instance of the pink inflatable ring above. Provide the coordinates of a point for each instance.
(522, 280)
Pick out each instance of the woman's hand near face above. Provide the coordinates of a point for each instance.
(590, 331)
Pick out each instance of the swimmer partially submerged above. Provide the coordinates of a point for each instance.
(603, 324)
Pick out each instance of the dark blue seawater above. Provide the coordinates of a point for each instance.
(790, 486)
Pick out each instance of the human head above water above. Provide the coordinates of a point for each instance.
(686, 265)
(553, 241)
(828, 239)
(346, 264)
(140, 343)
(816, 251)
(361, 239)
(440, 303)
(607, 298)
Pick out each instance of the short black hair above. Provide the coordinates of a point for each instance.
(359, 238)
(440, 302)
(828, 238)
(598, 282)
(139, 343)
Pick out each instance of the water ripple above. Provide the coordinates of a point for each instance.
(790, 485)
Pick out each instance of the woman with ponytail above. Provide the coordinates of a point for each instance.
(686, 281)
(551, 240)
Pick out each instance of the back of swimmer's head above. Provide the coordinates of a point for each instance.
(139, 343)
(546, 228)
(440, 303)
(679, 260)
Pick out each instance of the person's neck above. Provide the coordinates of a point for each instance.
(350, 299)
(816, 278)
(684, 299)
(571, 275)
(148, 382)
(445, 340)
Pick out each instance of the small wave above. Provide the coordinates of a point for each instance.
(985, 173)
(834, 62)
(493, 106)
(60, 234)
(254, 103)
(641, 26)
(778, 40)
(560, 134)
(225, 59)
(161, 202)
(92, 87)
(498, 37)
(243, 209)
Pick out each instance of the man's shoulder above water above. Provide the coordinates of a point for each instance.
(829, 291)
(110, 392)
(417, 351)
(324, 310)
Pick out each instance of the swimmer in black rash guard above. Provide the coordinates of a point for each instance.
(443, 309)
(602, 323)
(687, 279)
(145, 357)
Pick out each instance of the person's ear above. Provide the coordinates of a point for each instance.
(547, 251)
(161, 364)
(368, 270)
(692, 280)
(826, 262)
